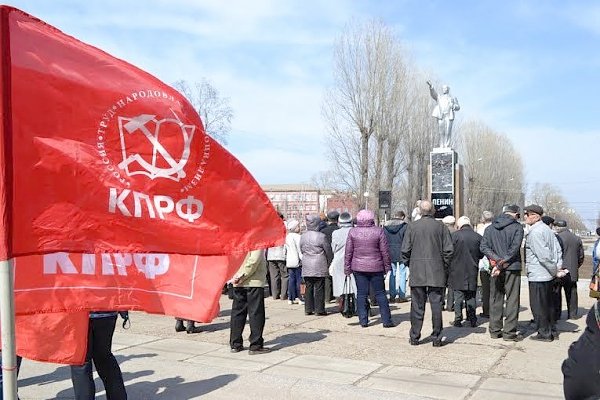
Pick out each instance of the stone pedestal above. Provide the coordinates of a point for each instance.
(445, 182)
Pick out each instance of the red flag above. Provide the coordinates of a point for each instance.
(55, 337)
(99, 156)
(171, 284)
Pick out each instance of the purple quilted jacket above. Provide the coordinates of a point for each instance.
(367, 249)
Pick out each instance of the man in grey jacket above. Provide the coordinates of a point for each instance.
(501, 244)
(573, 256)
(542, 255)
(427, 250)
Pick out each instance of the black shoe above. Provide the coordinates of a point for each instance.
(413, 342)
(496, 335)
(390, 325)
(364, 325)
(473, 323)
(179, 326)
(322, 313)
(438, 343)
(539, 338)
(402, 300)
(512, 338)
(392, 300)
(482, 315)
(191, 328)
(261, 350)
(309, 313)
(236, 349)
(457, 324)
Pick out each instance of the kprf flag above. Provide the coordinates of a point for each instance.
(100, 156)
(100, 161)
(184, 286)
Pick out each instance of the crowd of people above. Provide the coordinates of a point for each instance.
(446, 263)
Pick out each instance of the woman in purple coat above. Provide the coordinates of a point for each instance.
(368, 258)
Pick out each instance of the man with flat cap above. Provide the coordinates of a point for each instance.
(572, 258)
(542, 258)
(332, 225)
(501, 244)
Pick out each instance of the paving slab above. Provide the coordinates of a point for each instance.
(224, 358)
(418, 381)
(323, 368)
(502, 389)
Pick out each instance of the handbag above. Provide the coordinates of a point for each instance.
(595, 285)
(347, 301)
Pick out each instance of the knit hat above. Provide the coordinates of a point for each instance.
(464, 220)
(449, 220)
(365, 216)
(345, 218)
(292, 224)
(333, 216)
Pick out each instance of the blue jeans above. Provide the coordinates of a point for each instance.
(376, 279)
(294, 280)
(398, 280)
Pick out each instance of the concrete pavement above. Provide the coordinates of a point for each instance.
(327, 357)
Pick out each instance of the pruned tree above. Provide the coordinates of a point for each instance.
(550, 198)
(214, 110)
(493, 170)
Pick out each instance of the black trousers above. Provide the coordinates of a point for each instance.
(328, 288)
(278, 275)
(466, 297)
(542, 307)
(484, 276)
(570, 289)
(504, 317)
(417, 310)
(100, 334)
(314, 297)
(247, 302)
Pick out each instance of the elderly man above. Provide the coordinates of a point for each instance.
(427, 250)
(501, 244)
(542, 255)
(572, 258)
(463, 270)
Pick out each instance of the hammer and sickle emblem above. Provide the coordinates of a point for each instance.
(175, 169)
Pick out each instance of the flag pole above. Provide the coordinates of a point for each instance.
(7, 290)
(7, 321)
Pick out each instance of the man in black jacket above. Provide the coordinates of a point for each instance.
(463, 270)
(501, 243)
(581, 371)
(572, 257)
(427, 250)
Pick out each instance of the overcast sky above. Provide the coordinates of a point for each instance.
(526, 68)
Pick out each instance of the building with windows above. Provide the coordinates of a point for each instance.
(294, 200)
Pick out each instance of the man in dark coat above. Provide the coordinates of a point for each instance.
(332, 225)
(572, 259)
(501, 244)
(427, 250)
(581, 371)
(463, 270)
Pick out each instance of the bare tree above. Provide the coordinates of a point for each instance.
(363, 70)
(550, 198)
(493, 169)
(214, 110)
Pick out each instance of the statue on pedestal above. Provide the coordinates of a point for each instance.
(444, 112)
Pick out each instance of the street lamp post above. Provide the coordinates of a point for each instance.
(366, 194)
